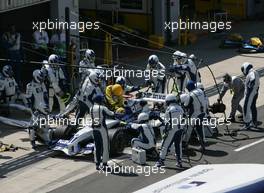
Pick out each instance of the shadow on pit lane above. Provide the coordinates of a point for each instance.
(215, 153)
(249, 56)
(124, 173)
(77, 158)
(40, 154)
(5, 157)
(9, 130)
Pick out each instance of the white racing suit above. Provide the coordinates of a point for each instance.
(185, 72)
(99, 114)
(84, 73)
(157, 77)
(251, 96)
(9, 89)
(196, 105)
(173, 131)
(85, 68)
(54, 77)
(237, 88)
(85, 97)
(38, 98)
(146, 139)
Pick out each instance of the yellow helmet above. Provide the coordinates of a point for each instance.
(117, 90)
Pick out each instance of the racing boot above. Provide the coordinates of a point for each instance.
(98, 167)
(106, 167)
(160, 163)
(247, 126)
(33, 144)
(179, 164)
(231, 119)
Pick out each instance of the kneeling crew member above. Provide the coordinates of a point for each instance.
(146, 139)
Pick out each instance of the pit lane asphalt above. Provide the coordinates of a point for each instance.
(218, 152)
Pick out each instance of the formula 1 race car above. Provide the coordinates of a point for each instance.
(119, 137)
(253, 45)
(82, 141)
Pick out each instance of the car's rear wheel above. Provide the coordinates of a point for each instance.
(117, 141)
(63, 132)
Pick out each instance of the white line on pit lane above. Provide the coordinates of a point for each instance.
(249, 145)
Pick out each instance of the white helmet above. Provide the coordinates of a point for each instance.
(45, 62)
(193, 57)
(153, 61)
(246, 66)
(143, 117)
(90, 55)
(94, 77)
(38, 76)
(53, 58)
(176, 55)
(183, 58)
(171, 98)
(121, 80)
(8, 71)
(200, 85)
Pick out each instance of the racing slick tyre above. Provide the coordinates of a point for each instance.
(117, 141)
(63, 132)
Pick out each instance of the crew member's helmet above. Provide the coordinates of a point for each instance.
(153, 61)
(117, 90)
(143, 117)
(94, 77)
(246, 67)
(90, 55)
(38, 76)
(190, 85)
(8, 71)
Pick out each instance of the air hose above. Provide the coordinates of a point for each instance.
(229, 133)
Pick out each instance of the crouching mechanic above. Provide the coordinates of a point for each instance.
(114, 98)
(237, 88)
(146, 139)
(157, 74)
(196, 104)
(90, 88)
(173, 130)
(37, 97)
(250, 112)
(99, 114)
